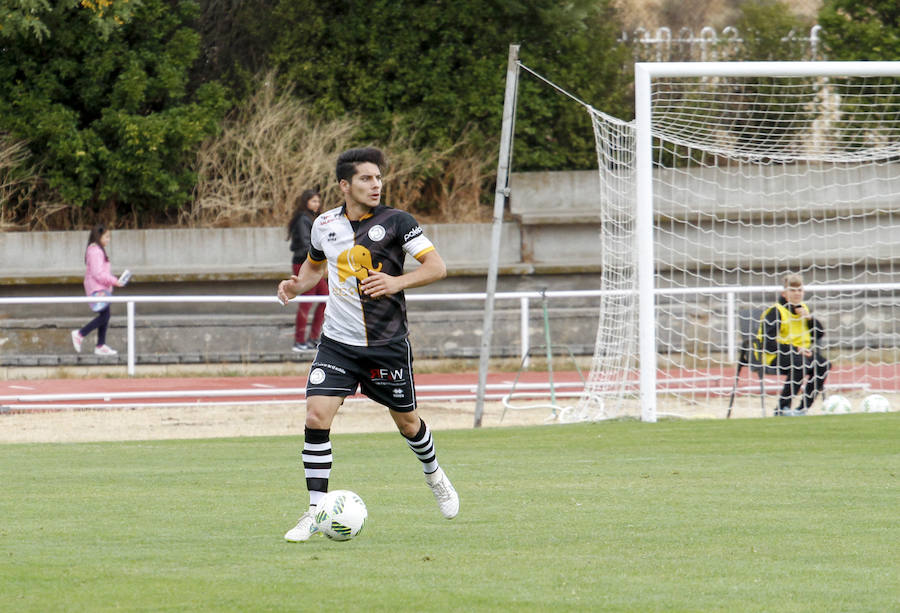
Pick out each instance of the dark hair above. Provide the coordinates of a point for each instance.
(301, 208)
(350, 159)
(94, 237)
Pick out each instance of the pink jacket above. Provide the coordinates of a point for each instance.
(97, 275)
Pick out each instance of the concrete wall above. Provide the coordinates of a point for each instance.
(251, 261)
(213, 254)
(551, 241)
(764, 191)
(554, 230)
(559, 215)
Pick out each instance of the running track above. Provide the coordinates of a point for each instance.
(129, 392)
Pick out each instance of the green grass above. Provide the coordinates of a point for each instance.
(741, 515)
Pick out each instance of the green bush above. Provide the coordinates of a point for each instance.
(110, 115)
(861, 29)
(441, 67)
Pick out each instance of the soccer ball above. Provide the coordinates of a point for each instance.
(875, 403)
(340, 515)
(836, 404)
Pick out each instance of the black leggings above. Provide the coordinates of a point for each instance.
(796, 366)
(99, 323)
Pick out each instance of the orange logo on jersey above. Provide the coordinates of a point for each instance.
(355, 262)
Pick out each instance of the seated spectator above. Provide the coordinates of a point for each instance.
(788, 339)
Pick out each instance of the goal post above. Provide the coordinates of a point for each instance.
(738, 173)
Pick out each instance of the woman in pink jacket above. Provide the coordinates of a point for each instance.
(98, 281)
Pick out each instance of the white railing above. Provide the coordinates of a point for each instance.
(524, 298)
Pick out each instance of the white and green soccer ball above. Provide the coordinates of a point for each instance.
(835, 404)
(340, 515)
(875, 403)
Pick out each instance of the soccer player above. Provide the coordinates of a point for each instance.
(788, 334)
(364, 339)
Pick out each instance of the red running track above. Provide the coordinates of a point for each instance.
(50, 393)
(128, 392)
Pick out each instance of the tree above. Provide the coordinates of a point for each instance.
(766, 27)
(440, 67)
(28, 17)
(110, 116)
(860, 29)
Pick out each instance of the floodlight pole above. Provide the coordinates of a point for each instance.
(500, 196)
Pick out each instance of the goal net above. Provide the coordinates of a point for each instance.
(732, 176)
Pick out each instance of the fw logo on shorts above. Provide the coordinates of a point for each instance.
(382, 374)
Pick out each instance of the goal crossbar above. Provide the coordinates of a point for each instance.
(649, 70)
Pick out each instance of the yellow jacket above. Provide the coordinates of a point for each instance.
(780, 326)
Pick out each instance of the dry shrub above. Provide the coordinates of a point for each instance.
(18, 181)
(266, 155)
(438, 185)
(468, 174)
(272, 149)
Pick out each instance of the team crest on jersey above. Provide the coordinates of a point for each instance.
(376, 233)
(356, 262)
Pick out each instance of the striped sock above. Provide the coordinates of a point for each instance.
(316, 463)
(423, 446)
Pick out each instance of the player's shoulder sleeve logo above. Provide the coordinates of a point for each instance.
(328, 217)
(412, 234)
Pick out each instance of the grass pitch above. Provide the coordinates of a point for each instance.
(741, 515)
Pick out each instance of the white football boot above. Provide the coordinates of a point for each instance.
(304, 529)
(444, 493)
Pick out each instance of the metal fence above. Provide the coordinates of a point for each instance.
(672, 304)
(709, 45)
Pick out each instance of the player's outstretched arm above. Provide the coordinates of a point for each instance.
(306, 279)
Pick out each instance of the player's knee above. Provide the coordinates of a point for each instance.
(316, 421)
(407, 423)
(320, 411)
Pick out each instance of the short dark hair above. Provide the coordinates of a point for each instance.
(350, 159)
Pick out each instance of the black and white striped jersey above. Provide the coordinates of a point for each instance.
(378, 242)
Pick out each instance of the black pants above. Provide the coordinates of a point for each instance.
(795, 366)
(99, 323)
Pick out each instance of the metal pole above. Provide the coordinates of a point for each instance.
(644, 232)
(500, 196)
(129, 309)
(549, 344)
(524, 332)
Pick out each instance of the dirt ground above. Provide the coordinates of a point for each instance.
(279, 418)
(217, 421)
